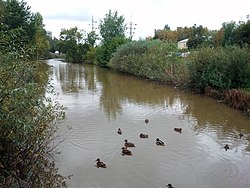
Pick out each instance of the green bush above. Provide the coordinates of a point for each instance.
(104, 52)
(28, 121)
(220, 68)
(154, 60)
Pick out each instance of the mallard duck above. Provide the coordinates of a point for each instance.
(170, 185)
(119, 131)
(143, 135)
(125, 151)
(128, 144)
(226, 147)
(178, 129)
(241, 135)
(159, 142)
(146, 121)
(100, 164)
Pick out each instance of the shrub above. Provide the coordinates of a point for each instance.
(150, 59)
(28, 121)
(104, 52)
(219, 68)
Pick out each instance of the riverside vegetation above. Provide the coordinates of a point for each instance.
(222, 72)
(28, 117)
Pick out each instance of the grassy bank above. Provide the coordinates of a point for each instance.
(222, 73)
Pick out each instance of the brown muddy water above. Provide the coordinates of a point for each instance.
(100, 101)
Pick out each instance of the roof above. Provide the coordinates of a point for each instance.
(184, 40)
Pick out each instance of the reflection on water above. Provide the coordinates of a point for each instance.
(100, 100)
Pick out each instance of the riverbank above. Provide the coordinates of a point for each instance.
(217, 73)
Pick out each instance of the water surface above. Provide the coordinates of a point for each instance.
(100, 101)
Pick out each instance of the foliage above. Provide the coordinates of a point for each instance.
(90, 55)
(150, 59)
(28, 121)
(199, 36)
(104, 52)
(54, 45)
(112, 30)
(243, 34)
(229, 37)
(21, 29)
(41, 41)
(92, 37)
(112, 26)
(220, 68)
(71, 43)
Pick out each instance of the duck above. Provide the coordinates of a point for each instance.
(100, 164)
(159, 142)
(178, 130)
(119, 131)
(128, 144)
(226, 147)
(125, 151)
(170, 185)
(241, 135)
(146, 121)
(143, 135)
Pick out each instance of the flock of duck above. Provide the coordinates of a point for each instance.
(127, 144)
(158, 142)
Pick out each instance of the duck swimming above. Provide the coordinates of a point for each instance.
(170, 185)
(100, 164)
(125, 151)
(241, 135)
(119, 131)
(226, 147)
(159, 142)
(146, 121)
(178, 130)
(143, 135)
(128, 144)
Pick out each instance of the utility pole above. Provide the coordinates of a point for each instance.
(131, 29)
(93, 22)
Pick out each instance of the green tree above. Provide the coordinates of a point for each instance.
(41, 41)
(20, 29)
(229, 33)
(112, 26)
(112, 30)
(71, 43)
(243, 33)
(105, 51)
(92, 37)
(17, 14)
(199, 35)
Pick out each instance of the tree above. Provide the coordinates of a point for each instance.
(41, 41)
(20, 28)
(92, 37)
(112, 26)
(243, 34)
(229, 33)
(17, 15)
(199, 35)
(112, 30)
(71, 43)
(105, 51)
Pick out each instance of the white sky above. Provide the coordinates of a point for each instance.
(147, 14)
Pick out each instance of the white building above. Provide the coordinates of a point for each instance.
(182, 44)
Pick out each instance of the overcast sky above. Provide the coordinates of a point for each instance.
(147, 14)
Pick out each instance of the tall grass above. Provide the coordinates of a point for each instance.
(154, 60)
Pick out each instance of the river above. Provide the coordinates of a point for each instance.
(100, 101)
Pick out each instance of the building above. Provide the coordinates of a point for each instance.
(182, 44)
(49, 34)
